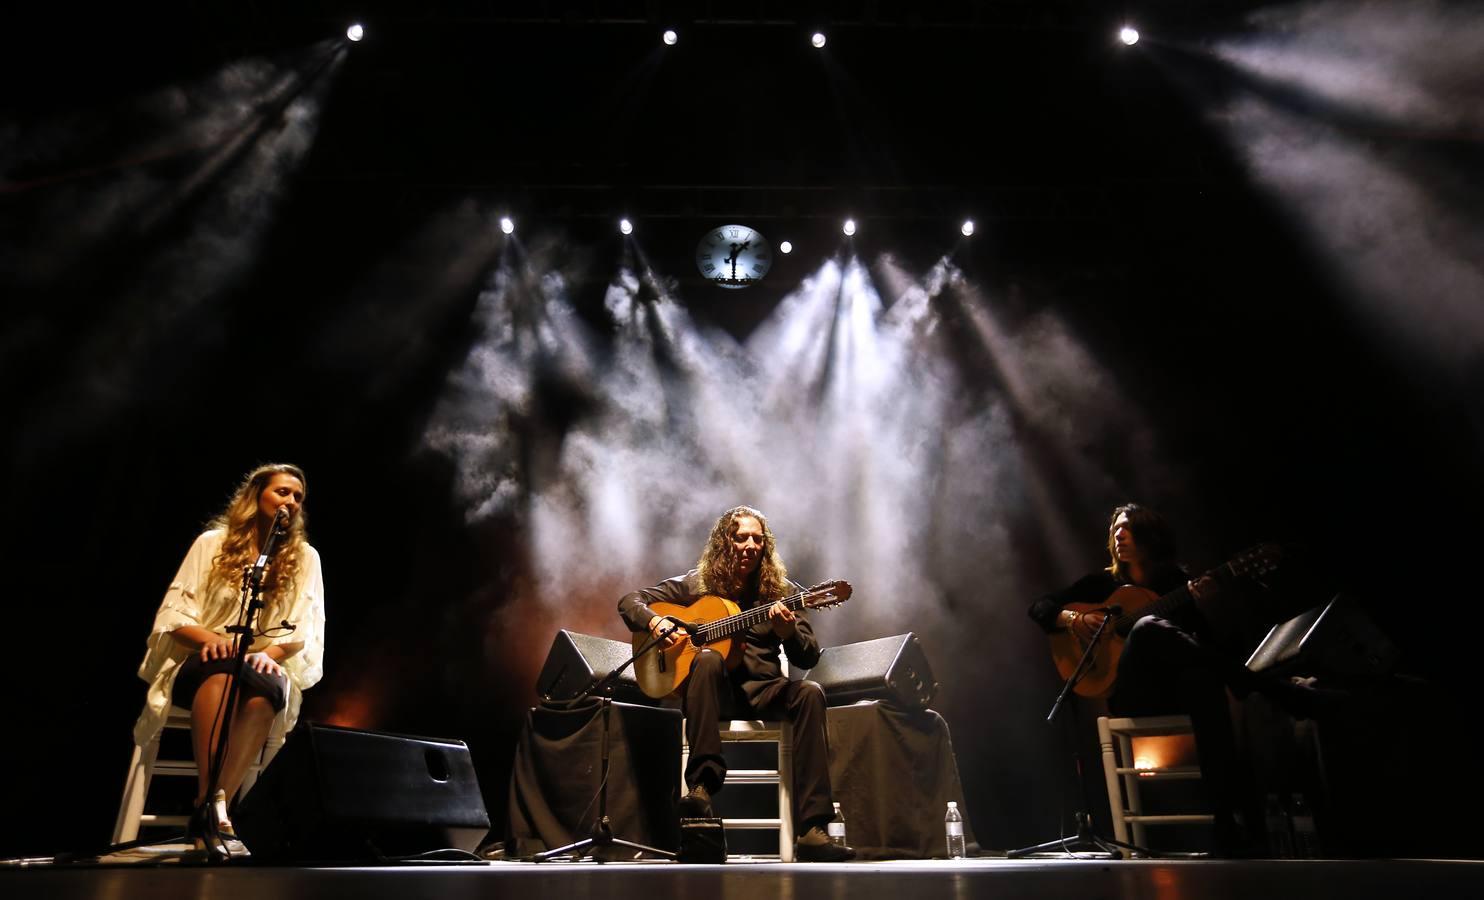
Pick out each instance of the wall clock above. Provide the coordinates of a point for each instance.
(733, 256)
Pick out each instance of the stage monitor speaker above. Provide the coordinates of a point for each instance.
(578, 661)
(342, 795)
(890, 668)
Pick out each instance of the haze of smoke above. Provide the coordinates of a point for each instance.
(169, 288)
(1415, 62)
(840, 417)
(1399, 222)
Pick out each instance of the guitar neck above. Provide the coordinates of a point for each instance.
(1169, 603)
(721, 629)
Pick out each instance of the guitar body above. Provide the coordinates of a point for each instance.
(1102, 670)
(661, 672)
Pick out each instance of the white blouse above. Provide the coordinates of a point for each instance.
(186, 603)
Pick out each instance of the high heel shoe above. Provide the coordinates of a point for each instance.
(211, 831)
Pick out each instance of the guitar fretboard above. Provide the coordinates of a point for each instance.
(721, 629)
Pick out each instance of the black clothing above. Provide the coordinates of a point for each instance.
(193, 672)
(1166, 669)
(757, 688)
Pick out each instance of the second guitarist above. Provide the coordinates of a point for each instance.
(741, 563)
(1167, 666)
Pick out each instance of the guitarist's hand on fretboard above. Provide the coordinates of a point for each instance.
(782, 619)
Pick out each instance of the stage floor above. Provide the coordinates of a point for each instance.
(1044, 879)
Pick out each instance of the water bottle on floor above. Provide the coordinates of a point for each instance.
(953, 827)
(837, 828)
(1305, 837)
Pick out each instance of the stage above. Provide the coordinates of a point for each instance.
(1045, 879)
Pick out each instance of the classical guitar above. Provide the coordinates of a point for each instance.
(1136, 603)
(718, 623)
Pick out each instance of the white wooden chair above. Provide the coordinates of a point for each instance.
(146, 764)
(747, 730)
(737, 731)
(1124, 777)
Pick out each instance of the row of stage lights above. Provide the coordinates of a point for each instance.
(848, 228)
(1128, 34)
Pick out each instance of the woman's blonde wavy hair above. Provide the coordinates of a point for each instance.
(719, 561)
(240, 546)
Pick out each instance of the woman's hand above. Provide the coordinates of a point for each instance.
(262, 662)
(218, 646)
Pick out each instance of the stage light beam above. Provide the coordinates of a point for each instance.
(507, 224)
(625, 226)
(670, 37)
(355, 32)
(849, 227)
(1129, 35)
(967, 228)
(785, 248)
(818, 40)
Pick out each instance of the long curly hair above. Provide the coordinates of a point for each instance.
(240, 546)
(718, 563)
(1152, 534)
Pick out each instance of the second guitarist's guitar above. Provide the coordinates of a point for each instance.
(1137, 602)
(718, 622)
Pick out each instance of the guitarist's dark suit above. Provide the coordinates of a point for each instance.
(755, 689)
(1166, 669)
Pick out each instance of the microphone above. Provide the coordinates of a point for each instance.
(689, 628)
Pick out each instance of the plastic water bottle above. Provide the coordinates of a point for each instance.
(953, 827)
(837, 828)
(1305, 837)
(1280, 835)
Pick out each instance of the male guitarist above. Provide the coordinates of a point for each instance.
(1166, 666)
(741, 563)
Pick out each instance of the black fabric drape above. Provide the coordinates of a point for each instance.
(558, 770)
(893, 772)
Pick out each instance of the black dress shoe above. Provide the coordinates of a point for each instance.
(815, 845)
(697, 804)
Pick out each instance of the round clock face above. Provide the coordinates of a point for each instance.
(733, 256)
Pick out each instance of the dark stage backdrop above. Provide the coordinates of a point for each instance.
(137, 387)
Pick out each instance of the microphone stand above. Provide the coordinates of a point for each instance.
(602, 831)
(1085, 840)
(252, 586)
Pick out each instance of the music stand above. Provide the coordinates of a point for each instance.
(602, 831)
(1086, 840)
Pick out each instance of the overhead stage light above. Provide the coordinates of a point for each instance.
(817, 40)
(355, 32)
(968, 227)
(625, 226)
(785, 247)
(849, 228)
(1129, 35)
(671, 37)
(507, 224)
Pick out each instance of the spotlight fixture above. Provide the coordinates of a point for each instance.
(967, 228)
(849, 228)
(785, 247)
(355, 32)
(1129, 35)
(817, 40)
(507, 224)
(625, 226)
(670, 37)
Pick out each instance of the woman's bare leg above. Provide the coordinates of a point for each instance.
(250, 727)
